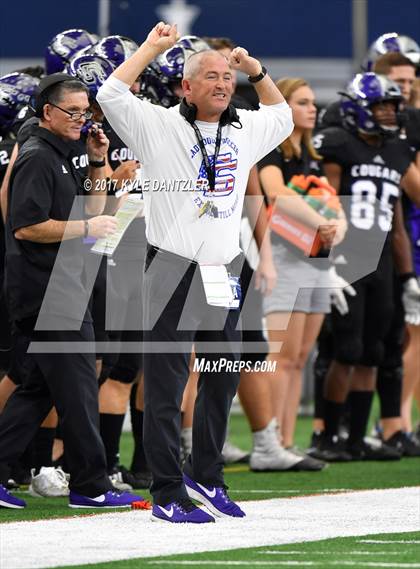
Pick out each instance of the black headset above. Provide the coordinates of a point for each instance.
(44, 89)
(229, 115)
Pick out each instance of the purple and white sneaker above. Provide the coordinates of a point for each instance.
(180, 512)
(7, 500)
(215, 498)
(108, 500)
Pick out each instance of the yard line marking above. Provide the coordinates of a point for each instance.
(237, 468)
(277, 521)
(264, 491)
(417, 541)
(312, 492)
(274, 552)
(276, 563)
(237, 562)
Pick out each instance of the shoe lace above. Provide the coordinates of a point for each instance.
(224, 494)
(231, 506)
(116, 493)
(61, 475)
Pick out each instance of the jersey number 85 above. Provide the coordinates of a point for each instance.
(365, 207)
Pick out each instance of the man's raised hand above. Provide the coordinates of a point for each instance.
(162, 37)
(97, 144)
(240, 59)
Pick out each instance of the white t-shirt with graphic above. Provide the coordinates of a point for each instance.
(174, 178)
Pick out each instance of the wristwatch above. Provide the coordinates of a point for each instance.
(97, 163)
(256, 78)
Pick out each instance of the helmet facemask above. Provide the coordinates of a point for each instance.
(364, 92)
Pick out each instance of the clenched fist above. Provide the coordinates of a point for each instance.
(125, 172)
(162, 37)
(97, 144)
(240, 59)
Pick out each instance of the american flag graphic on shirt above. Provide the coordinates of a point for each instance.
(225, 179)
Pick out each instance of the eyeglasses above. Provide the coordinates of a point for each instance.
(74, 116)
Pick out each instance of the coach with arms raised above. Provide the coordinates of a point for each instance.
(193, 236)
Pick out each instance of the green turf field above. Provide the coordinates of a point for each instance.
(375, 551)
(246, 485)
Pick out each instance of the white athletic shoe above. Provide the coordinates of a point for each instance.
(118, 483)
(49, 483)
(233, 455)
(268, 454)
(186, 443)
(297, 451)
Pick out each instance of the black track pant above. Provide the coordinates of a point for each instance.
(177, 315)
(67, 381)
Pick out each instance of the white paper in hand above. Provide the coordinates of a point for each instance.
(130, 209)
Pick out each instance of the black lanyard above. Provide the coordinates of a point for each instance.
(211, 172)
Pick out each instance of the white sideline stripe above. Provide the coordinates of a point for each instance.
(320, 491)
(129, 535)
(274, 552)
(388, 541)
(264, 491)
(253, 491)
(288, 563)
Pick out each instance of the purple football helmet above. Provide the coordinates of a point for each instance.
(193, 43)
(158, 80)
(116, 49)
(64, 46)
(91, 70)
(88, 50)
(365, 90)
(155, 87)
(16, 90)
(172, 61)
(392, 42)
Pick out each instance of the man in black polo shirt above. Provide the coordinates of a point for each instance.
(46, 297)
